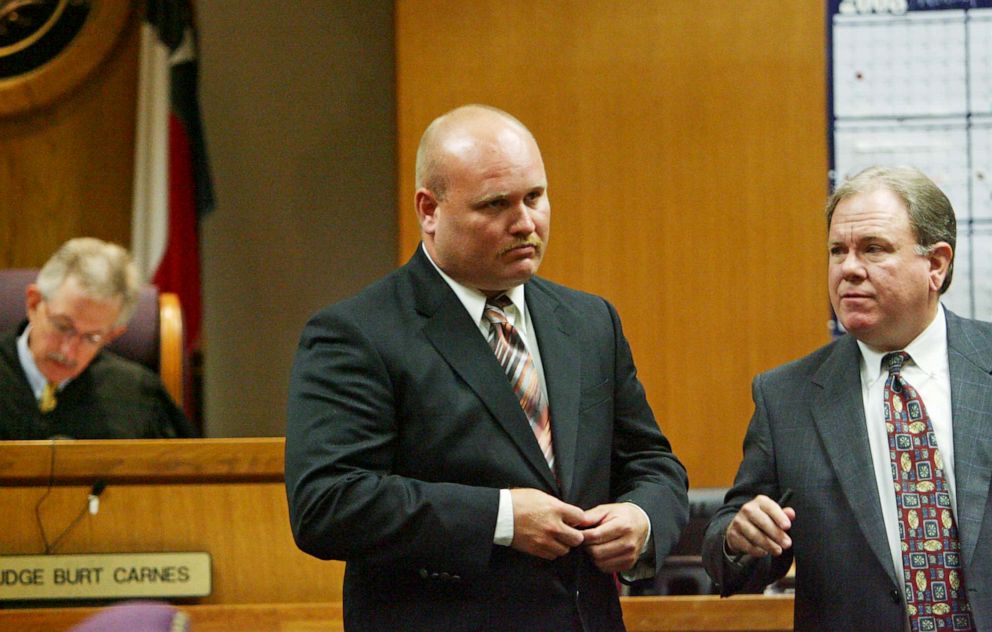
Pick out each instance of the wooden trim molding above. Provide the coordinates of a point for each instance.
(641, 614)
(708, 613)
(144, 461)
(43, 86)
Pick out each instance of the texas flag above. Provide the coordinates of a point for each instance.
(172, 188)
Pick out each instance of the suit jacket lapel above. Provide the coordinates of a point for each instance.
(561, 360)
(459, 341)
(968, 355)
(838, 411)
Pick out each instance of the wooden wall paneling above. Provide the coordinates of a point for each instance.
(686, 152)
(67, 150)
(225, 497)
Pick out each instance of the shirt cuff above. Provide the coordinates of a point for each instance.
(644, 568)
(736, 560)
(504, 519)
(647, 540)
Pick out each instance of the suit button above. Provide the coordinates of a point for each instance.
(896, 597)
(423, 573)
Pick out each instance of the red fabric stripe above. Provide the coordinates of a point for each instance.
(179, 270)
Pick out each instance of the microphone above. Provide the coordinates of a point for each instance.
(92, 506)
(93, 501)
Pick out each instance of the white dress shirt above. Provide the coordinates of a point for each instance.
(474, 302)
(30, 367)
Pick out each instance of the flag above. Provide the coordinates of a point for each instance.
(172, 187)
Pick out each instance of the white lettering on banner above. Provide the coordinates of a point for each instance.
(863, 7)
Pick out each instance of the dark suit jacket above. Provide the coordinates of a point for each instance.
(808, 434)
(112, 398)
(402, 427)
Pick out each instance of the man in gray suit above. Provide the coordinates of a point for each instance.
(459, 498)
(890, 520)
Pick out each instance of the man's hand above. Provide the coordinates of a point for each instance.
(759, 528)
(615, 535)
(543, 525)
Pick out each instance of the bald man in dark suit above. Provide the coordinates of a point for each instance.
(468, 491)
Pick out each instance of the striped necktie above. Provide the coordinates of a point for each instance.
(936, 598)
(519, 366)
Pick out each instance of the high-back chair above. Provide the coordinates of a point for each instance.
(154, 336)
(682, 572)
(136, 616)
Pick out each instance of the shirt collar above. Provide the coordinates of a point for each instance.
(474, 301)
(35, 378)
(928, 350)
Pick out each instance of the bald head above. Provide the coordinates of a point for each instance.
(456, 134)
(482, 198)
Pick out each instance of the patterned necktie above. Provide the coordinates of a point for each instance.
(47, 402)
(931, 552)
(519, 366)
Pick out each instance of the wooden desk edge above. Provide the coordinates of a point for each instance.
(142, 461)
(710, 613)
(641, 614)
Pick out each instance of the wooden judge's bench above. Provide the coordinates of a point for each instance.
(226, 497)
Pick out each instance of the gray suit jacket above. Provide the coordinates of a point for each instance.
(402, 427)
(808, 434)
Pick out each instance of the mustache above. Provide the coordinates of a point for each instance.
(533, 240)
(60, 358)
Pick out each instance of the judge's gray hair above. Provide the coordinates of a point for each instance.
(103, 270)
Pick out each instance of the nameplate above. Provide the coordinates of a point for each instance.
(104, 576)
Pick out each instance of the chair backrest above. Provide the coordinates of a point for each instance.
(154, 336)
(703, 503)
(682, 572)
(136, 616)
